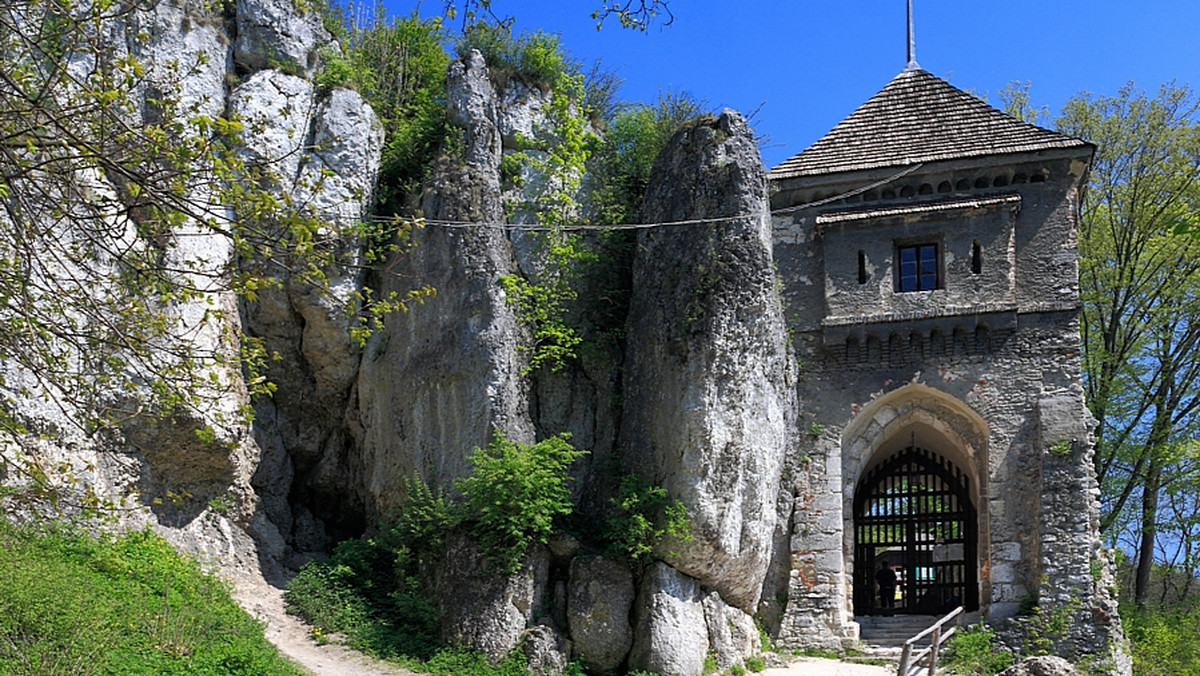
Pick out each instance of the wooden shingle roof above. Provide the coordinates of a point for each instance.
(918, 117)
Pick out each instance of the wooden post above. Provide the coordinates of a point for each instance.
(933, 648)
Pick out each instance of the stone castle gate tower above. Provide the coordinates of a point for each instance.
(927, 247)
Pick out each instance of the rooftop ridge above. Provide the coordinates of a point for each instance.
(918, 117)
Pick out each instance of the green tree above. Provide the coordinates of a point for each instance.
(399, 65)
(634, 14)
(1181, 554)
(636, 135)
(1014, 100)
(515, 492)
(108, 175)
(1141, 292)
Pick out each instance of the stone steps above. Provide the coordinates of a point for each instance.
(884, 635)
(890, 632)
(880, 652)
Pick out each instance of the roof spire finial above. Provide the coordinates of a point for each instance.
(912, 43)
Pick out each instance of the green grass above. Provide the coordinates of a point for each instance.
(817, 652)
(1165, 641)
(971, 652)
(355, 593)
(72, 603)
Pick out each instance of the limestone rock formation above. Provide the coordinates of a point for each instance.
(482, 608)
(441, 378)
(732, 635)
(599, 600)
(710, 403)
(322, 151)
(143, 456)
(546, 651)
(275, 34)
(671, 635)
(521, 115)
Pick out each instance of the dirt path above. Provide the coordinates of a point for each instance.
(291, 636)
(265, 602)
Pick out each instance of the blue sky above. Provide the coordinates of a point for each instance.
(812, 62)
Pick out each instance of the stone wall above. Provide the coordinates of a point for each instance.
(984, 371)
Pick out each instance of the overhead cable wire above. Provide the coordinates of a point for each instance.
(535, 227)
(850, 193)
(666, 224)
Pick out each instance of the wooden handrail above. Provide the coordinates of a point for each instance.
(910, 663)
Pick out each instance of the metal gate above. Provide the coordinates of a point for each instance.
(914, 511)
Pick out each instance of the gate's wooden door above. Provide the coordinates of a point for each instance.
(915, 511)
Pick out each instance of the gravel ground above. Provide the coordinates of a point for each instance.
(816, 666)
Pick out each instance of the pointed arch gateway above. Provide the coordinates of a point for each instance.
(914, 510)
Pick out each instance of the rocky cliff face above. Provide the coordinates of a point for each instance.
(332, 141)
(707, 385)
(319, 149)
(444, 376)
(709, 379)
(698, 399)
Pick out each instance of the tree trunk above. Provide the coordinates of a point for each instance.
(1150, 490)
